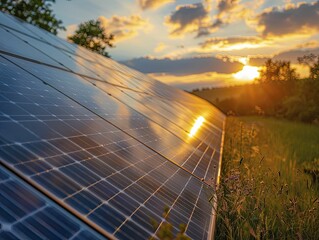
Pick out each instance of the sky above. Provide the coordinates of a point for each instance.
(193, 44)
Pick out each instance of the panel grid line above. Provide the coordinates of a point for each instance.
(108, 145)
(109, 122)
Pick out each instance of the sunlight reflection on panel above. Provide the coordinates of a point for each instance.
(198, 123)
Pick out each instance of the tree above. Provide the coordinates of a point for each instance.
(303, 104)
(92, 35)
(312, 61)
(277, 71)
(36, 12)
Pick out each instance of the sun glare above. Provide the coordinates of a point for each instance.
(198, 123)
(248, 73)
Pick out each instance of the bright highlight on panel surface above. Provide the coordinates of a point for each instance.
(198, 123)
(91, 149)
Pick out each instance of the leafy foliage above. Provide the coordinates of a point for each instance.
(312, 61)
(36, 12)
(277, 71)
(303, 105)
(91, 35)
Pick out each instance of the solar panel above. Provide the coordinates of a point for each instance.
(110, 145)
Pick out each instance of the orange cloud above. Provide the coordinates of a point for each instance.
(160, 47)
(153, 4)
(123, 27)
(233, 43)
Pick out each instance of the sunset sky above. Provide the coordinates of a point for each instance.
(193, 44)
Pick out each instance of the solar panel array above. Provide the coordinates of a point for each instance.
(97, 145)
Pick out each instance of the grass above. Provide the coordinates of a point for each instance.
(264, 191)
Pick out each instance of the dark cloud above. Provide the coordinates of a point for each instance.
(153, 4)
(208, 29)
(226, 5)
(295, 19)
(292, 55)
(183, 67)
(187, 18)
(257, 61)
(195, 18)
(224, 8)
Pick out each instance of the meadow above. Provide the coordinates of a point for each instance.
(265, 190)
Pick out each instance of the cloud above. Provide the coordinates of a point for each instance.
(228, 11)
(160, 47)
(153, 4)
(258, 60)
(308, 45)
(123, 27)
(196, 18)
(188, 19)
(232, 43)
(302, 19)
(184, 66)
(289, 55)
(292, 55)
(226, 5)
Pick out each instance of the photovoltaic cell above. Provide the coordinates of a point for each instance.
(103, 140)
(27, 214)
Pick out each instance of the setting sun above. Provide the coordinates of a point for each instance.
(248, 73)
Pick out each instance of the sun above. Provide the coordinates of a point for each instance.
(248, 73)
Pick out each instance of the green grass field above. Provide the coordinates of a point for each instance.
(264, 191)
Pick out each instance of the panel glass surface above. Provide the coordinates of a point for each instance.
(113, 145)
(14, 45)
(92, 167)
(27, 214)
(35, 32)
(183, 150)
(11, 22)
(57, 57)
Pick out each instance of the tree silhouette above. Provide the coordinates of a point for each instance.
(312, 61)
(91, 35)
(36, 12)
(277, 71)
